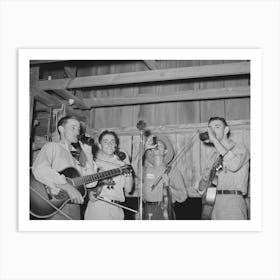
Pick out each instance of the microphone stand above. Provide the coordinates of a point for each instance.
(140, 125)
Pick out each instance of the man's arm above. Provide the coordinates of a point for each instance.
(43, 172)
(218, 145)
(236, 158)
(42, 167)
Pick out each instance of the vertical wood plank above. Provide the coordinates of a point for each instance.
(237, 108)
(213, 107)
(188, 111)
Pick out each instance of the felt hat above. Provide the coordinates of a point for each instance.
(168, 145)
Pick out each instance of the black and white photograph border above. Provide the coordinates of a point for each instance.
(75, 249)
(29, 59)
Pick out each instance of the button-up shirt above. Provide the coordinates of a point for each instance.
(235, 171)
(55, 157)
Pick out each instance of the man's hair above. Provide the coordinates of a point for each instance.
(105, 132)
(219, 119)
(64, 120)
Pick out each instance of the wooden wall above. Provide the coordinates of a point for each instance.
(161, 113)
(179, 120)
(183, 137)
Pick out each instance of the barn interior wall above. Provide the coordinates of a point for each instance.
(160, 113)
(125, 118)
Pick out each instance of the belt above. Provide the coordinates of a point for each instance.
(229, 192)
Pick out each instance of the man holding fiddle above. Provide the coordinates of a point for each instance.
(161, 189)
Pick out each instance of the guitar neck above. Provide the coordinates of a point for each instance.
(213, 170)
(96, 177)
(212, 174)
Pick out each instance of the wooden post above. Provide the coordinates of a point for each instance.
(31, 112)
(34, 78)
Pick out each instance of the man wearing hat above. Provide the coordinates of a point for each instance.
(160, 187)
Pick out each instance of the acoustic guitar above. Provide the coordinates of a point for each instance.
(209, 196)
(43, 205)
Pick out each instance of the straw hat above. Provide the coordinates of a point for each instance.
(170, 150)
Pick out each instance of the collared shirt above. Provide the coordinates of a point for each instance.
(235, 172)
(55, 157)
(177, 186)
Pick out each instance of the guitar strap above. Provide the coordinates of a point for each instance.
(222, 157)
(79, 154)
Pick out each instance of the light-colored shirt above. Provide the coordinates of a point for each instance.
(235, 172)
(55, 157)
(120, 182)
(177, 185)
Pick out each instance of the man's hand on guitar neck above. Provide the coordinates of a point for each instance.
(73, 193)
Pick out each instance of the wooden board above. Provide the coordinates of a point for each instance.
(216, 70)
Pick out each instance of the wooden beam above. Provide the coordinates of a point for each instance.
(76, 112)
(34, 77)
(169, 97)
(170, 129)
(227, 69)
(151, 64)
(34, 62)
(34, 74)
(45, 98)
(39, 107)
(68, 95)
(31, 114)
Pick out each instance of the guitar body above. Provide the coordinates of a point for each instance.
(208, 201)
(209, 196)
(41, 203)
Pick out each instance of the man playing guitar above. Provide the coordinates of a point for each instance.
(232, 178)
(55, 157)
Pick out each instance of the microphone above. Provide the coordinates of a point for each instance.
(86, 140)
(203, 136)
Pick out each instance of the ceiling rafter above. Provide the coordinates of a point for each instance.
(193, 72)
(205, 94)
(66, 94)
